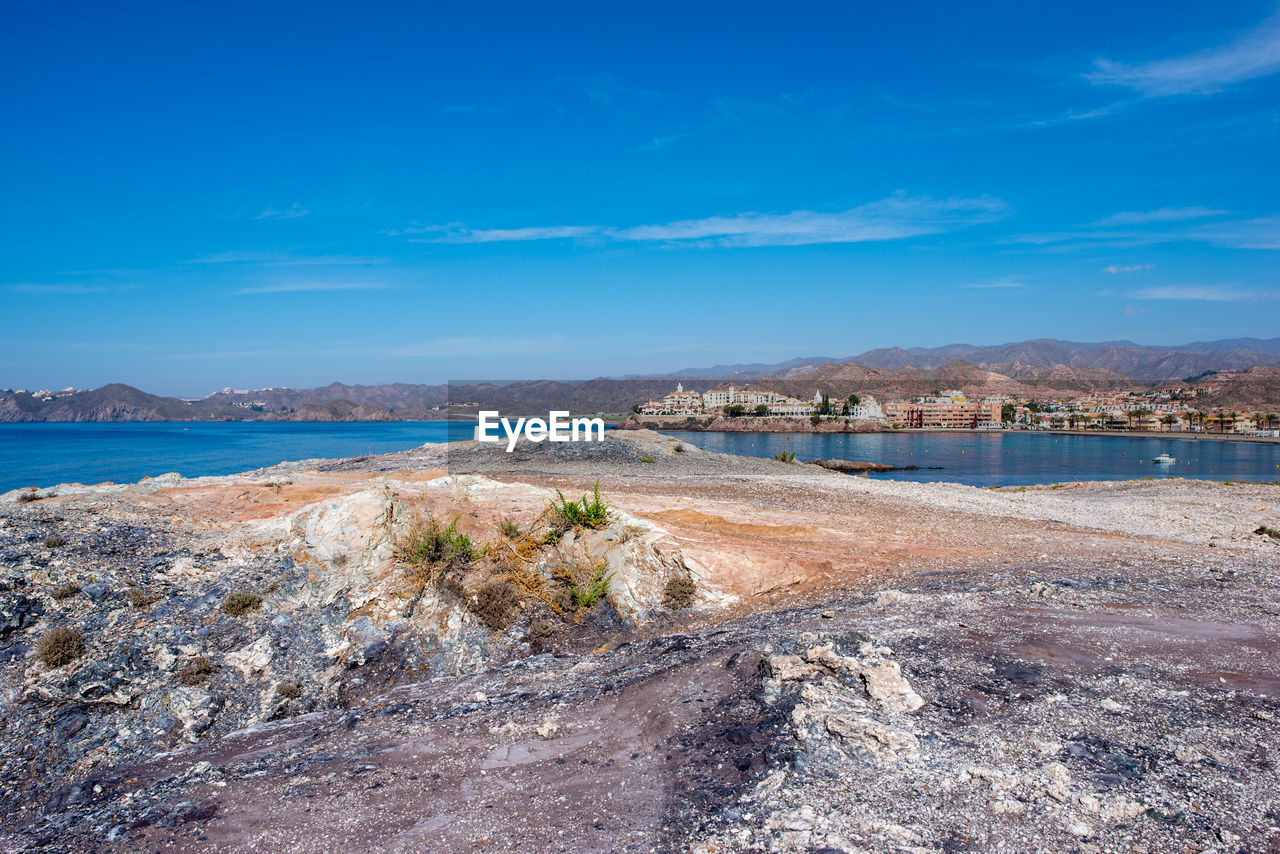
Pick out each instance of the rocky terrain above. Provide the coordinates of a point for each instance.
(724, 654)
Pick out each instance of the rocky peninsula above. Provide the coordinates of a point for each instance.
(447, 649)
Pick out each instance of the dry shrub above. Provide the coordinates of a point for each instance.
(59, 646)
(679, 592)
(66, 591)
(197, 670)
(496, 602)
(289, 690)
(542, 635)
(140, 599)
(56, 541)
(431, 550)
(28, 497)
(238, 604)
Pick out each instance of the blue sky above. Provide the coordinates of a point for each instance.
(252, 194)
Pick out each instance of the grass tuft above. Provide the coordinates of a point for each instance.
(647, 459)
(59, 646)
(679, 592)
(66, 591)
(238, 604)
(141, 599)
(592, 593)
(197, 670)
(509, 529)
(289, 690)
(28, 497)
(1268, 532)
(430, 549)
(54, 542)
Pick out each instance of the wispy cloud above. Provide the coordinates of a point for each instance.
(1159, 215)
(41, 289)
(1201, 293)
(305, 287)
(1257, 233)
(1006, 282)
(896, 217)
(1133, 311)
(292, 212)
(1127, 268)
(286, 259)
(1254, 54)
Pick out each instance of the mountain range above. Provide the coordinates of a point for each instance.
(1148, 364)
(1040, 369)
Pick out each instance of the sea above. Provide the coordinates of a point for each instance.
(47, 454)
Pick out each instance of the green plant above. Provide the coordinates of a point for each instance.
(679, 592)
(197, 670)
(647, 459)
(28, 497)
(289, 690)
(54, 542)
(508, 529)
(585, 512)
(238, 604)
(552, 536)
(1268, 532)
(495, 603)
(59, 646)
(66, 591)
(140, 599)
(430, 549)
(597, 588)
(786, 455)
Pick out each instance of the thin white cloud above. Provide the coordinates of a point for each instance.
(1006, 282)
(1254, 54)
(896, 217)
(306, 287)
(1201, 293)
(1159, 215)
(40, 289)
(1127, 268)
(1260, 233)
(286, 259)
(292, 212)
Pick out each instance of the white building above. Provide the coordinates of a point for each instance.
(678, 402)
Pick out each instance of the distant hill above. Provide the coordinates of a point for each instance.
(1145, 363)
(1254, 389)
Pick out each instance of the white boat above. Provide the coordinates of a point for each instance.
(1164, 458)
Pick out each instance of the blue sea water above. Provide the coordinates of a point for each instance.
(48, 454)
(1014, 458)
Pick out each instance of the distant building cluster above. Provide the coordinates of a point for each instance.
(949, 409)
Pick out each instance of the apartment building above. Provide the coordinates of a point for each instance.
(944, 411)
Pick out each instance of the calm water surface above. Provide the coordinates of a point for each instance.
(48, 454)
(1014, 458)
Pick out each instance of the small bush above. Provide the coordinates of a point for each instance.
(430, 549)
(140, 599)
(54, 542)
(679, 592)
(495, 603)
(509, 529)
(239, 604)
(679, 448)
(551, 537)
(647, 459)
(59, 646)
(587, 512)
(66, 591)
(197, 670)
(28, 497)
(785, 456)
(1268, 532)
(597, 588)
(542, 634)
(289, 690)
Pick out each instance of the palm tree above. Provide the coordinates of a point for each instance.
(1168, 421)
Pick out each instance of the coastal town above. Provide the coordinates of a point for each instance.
(1160, 410)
